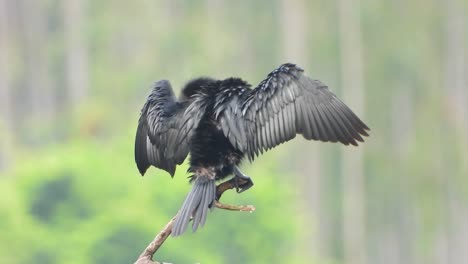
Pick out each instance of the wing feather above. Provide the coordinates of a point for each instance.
(287, 103)
(164, 129)
(283, 105)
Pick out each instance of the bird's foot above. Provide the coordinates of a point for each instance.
(242, 182)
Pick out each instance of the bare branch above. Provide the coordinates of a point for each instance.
(147, 255)
(229, 207)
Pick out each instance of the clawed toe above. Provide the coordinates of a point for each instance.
(242, 184)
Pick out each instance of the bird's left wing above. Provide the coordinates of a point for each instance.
(287, 103)
(164, 129)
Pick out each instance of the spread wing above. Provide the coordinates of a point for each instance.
(287, 103)
(164, 129)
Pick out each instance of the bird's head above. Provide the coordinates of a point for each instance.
(195, 86)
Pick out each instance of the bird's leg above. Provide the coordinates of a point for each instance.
(242, 182)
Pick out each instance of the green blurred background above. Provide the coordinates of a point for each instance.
(74, 75)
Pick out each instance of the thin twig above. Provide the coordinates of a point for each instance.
(229, 207)
(147, 255)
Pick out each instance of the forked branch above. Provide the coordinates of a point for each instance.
(147, 255)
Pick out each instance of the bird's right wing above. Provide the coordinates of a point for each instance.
(284, 104)
(164, 129)
(287, 103)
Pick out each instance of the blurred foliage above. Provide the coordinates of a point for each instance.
(84, 202)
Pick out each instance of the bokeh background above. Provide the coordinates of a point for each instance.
(74, 75)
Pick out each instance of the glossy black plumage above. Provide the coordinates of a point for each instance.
(220, 121)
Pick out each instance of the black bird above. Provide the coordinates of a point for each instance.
(220, 121)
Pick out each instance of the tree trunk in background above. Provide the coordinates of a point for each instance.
(294, 32)
(173, 10)
(294, 49)
(40, 91)
(400, 249)
(354, 237)
(77, 55)
(455, 231)
(455, 68)
(6, 118)
(214, 12)
(5, 89)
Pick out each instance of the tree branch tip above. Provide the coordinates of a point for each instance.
(241, 208)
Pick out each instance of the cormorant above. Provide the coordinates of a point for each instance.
(220, 121)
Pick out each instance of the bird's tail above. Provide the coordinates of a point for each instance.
(196, 205)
